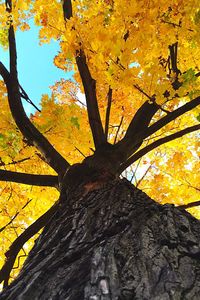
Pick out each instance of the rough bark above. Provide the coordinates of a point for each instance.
(109, 240)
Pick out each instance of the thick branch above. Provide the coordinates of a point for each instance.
(140, 121)
(51, 156)
(128, 144)
(172, 116)
(89, 85)
(17, 245)
(32, 179)
(67, 9)
(155, 144)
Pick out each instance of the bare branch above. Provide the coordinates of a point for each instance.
(129, 143)
(80, 151)
(25, 96)
(151, 98)
(118, 129)
(31, 179)
(89, 85)
(8, 4)
(155, 144)
(14, 162)
(108, 112)
(189, 205)
(173, 49)
(17, 245)
(142, 118)
(67, 9)
(172, 116)
(176, 25)
(14, 217)
(144, 175)
(139, 123)
(30, 132)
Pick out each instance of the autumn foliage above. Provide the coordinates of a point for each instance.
(137, 62)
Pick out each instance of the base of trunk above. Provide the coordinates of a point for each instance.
(112, 243)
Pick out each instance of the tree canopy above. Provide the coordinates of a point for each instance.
(137, 62)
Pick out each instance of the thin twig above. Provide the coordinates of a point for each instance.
(80, 151)
(118, 129)
(14, 217)
(176, 25)
(26, 97)
(14, 162)
(189, 205)
(143, 176)
(151, 98)
(109, 96)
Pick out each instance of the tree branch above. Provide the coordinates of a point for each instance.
(108, 112)
(142, 118)
(129, 143)
(67, 9)
(189, 205)
(118, 129)
(25, 96)
(155, 144)
(31, 179)
(139, 123)
(89, 85)
(14, 217)
(29, 131)
(172, 116)
(151, 98)
(14, 162)
(17, 245)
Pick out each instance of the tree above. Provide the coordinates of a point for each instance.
(104, 238)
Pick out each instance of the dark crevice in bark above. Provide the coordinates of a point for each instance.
(112, 242)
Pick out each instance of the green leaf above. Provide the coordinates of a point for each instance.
(74, 121)
(189, 74)
(2, 137)
(198, 118)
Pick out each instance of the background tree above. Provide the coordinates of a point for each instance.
(139, 71)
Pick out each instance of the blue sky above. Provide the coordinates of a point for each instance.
(36, 70)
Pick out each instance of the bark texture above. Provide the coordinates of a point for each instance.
(111, 241)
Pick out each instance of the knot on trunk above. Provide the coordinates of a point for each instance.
(86, 177)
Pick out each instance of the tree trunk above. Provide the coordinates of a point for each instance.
(111, 241)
